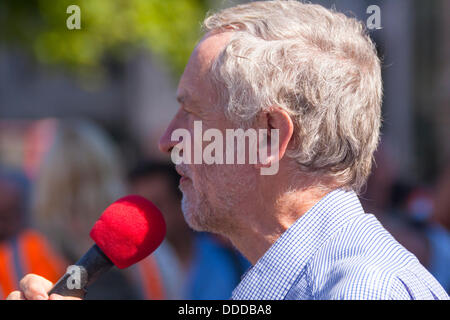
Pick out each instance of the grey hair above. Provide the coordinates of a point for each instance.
(81, 174)
(317, 64)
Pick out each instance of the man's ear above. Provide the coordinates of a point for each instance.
(279, 128)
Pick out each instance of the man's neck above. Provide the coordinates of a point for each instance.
(269, 220)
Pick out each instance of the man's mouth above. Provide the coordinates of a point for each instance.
(183, 179)
(182, 173)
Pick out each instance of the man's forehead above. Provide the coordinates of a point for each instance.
(193, 78)
(211, 45)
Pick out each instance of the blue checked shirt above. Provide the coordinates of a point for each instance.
(336, 251)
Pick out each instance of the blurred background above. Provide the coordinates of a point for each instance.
(81, 112)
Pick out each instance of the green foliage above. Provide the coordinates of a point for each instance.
(109, 28)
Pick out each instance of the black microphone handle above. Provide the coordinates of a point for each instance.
(78, 277)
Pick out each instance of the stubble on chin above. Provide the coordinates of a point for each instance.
(193, 215)
(215, 212)
(202, 217)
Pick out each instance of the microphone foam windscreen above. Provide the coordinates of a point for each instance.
(129, 230)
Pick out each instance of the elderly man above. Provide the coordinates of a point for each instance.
(314, 76)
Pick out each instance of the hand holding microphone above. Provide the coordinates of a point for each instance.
(127, 231)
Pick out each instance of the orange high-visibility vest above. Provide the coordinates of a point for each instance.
(152, 282)
(27, 253)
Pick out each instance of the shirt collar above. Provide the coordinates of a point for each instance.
(277, 270)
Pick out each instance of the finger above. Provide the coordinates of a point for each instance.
(55, 296)
(15, 295)
(35, 287)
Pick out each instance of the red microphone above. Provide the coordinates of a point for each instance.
(128, 230)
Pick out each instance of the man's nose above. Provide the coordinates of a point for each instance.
(165, 142)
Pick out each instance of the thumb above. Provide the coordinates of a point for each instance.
(55, 296)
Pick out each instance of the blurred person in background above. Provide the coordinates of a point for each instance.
(79, 177)
(412, 214)
(22, 249)
(384, 197)
(208, 266)
(441, 213)
(439, 230)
